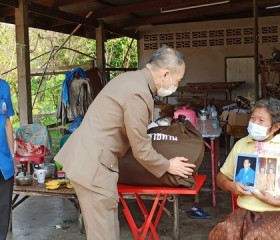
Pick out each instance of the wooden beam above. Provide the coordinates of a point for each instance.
(129, 8)
(71, 18)
(9, 3)
(256, 49)
(57, 14)
(140, 7)
(121, 32)
(230, 8)
(7, 12)
(112, 31)
(23, 63)
(58, 3)
(100, 49)
(59, 70)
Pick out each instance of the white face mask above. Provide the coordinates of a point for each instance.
(166, 92)
(257, 132)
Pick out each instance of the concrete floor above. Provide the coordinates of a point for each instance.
(43, 218)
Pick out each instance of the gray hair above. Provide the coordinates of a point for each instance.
(168, 58)
(272, 105)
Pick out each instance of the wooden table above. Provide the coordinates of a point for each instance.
(37, 190)
(207, 87)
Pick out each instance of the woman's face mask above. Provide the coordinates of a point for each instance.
(258, 132)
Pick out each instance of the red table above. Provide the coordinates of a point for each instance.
(152, 216)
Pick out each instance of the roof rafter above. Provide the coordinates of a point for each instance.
(9, 3)
(140, 7)
(196, 13)
(88, 22)
(57, 14)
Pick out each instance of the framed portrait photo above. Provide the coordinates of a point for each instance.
(245, 169)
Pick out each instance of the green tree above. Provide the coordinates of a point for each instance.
(121, 52)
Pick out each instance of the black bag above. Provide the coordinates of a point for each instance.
(179, 139)
(243, 102)
(276, 55)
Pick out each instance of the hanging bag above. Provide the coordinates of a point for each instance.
(179, 139)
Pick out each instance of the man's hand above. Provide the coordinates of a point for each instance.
(179, 166)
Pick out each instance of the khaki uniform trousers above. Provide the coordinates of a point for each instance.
(100, 214)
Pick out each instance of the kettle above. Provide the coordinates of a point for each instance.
(188, 113)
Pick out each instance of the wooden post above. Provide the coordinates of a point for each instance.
(23, 63)
(265, 70)
(256, 49)
(100, 50)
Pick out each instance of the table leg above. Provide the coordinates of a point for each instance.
(148, 221)
(211, 147)
(129, 217)
(151, 218)
(217, 154)
(76, 204)
(176, 232)
(81, 223)
(14, 205)
(159, 213)
(213, 166)
(11, 221)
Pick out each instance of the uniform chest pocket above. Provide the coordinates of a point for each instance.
(3, 106)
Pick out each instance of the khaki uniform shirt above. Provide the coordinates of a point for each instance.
(117, 119)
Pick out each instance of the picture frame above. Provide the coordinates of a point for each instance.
(245, 169)
(267, 173)
(263, 172)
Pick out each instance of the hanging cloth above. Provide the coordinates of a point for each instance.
(76, 95)
(70, 75)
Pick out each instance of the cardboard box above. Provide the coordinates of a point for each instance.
(237, 123)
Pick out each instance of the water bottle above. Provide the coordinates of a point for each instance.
(214, 117)
(208, 111)
(203, 118)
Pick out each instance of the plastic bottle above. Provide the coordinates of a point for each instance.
(208, 111)
(214, 117)
(214, 113)
(203, 118)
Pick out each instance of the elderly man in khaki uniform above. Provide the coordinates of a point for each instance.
(116, 120)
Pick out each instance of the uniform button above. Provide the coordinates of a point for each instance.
(111, 166)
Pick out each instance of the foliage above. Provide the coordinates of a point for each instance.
(121, 53)
(46, 90)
